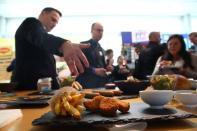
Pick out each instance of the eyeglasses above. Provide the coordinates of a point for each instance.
(99, 30)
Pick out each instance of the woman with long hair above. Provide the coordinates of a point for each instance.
(176, 59)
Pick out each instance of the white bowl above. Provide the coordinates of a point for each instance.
(156, 98)
(187, 98)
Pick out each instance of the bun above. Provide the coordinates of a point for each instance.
(182, 83)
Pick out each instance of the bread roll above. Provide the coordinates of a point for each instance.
(182, 83)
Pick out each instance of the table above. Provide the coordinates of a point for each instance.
(29, 114)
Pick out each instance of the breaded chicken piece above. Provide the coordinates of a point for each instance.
(108, 106)
(89, 105)
(123, 106)
(93, 104)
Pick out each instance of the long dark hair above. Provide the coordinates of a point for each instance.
(183, 53)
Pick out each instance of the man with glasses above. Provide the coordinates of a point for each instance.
(95, 75)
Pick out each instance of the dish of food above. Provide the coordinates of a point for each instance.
(132, 87)
(156, 98)
(108, 93)
(67, 81)
(68, 103)
(162, 82)
(188, 98)
(170, 82)
(23, 103)
(137, 112)
(34, 98)
(107, 106)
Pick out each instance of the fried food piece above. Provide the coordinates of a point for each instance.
(93, 104)
(77, 85)
(80, 108)
(117, 92)
(75, 113)
(123, 106)
(91, 95)
(108, 106)
(67, 102)
(104, 93)
(97, 101)
(77, 99)
(90, 105)
(167, 62)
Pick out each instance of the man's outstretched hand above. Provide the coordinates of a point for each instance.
(74, 57)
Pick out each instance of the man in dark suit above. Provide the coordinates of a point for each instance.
(95, 75)
(148, 57)
(35, 49)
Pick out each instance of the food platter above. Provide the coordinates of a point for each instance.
(138, 112)
(28, 101)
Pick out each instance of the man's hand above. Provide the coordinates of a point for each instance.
(74, 57)
(100, 72)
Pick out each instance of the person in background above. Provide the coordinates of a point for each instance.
(138, 48)
(35, 49)
(148, 57)
(193, 39)
(176, 59)
(109, 59)
(94, 76)
(121, 71)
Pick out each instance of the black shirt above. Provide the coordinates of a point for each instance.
(34, 54)
(95, 56)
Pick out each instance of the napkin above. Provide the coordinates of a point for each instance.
(8, 116)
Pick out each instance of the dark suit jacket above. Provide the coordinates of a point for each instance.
(34, 54)
(95, 55)
(147, 60)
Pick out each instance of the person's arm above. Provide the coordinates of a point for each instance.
(74, 57)
(35, 34)
(157, 67)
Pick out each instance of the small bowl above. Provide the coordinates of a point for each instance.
(188, 98)
(132, 87)
(156, 98)
(193, 83)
